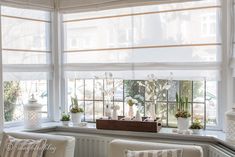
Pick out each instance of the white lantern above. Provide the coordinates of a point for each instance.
(230, 126)
(32, 114)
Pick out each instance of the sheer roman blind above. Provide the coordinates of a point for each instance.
(41, 4)
(179, 38)
(26, 49)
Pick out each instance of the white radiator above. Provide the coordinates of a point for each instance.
(215, 151)
(92, 146)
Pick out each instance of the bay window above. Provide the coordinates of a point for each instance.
(179, 44)
(26, 58)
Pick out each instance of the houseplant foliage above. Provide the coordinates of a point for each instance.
(65, 118)
(76, 111)
(11, 92)
(182, 113)
(196, 126)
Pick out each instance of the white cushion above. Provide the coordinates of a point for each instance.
(13, 147)
(117, 148)
(58, 146)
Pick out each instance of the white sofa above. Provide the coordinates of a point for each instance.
(64, 145)
(117, 148)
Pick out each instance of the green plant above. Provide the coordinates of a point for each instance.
(196, 124)
(65, 117)
(74, 108)
(11, 92)
(182, 107)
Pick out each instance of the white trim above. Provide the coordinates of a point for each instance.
(57, 66)
(1, 82)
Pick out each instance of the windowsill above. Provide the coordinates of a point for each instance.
(165, 133)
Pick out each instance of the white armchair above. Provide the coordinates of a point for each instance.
(117, 148)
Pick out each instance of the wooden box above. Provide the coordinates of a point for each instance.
(128, 125)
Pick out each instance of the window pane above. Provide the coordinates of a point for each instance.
(17, 93)
(120, 111)
(76, 87)
(99, 108)
(186, 89)
(108, 89)
(198, 112)
(118, 93)
(89, 111)
(161, 91)
(211, 103)
(173, 90)
(198, 91)
(172, 121)
(89, 89)
(161, 111)
(99, 89)
(134, 90)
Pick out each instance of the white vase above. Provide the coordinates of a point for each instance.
(230, 126)
(76, 118)
(65, 123)
(131, 112)
(183, 123)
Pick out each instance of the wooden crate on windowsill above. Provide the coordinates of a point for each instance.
(125, 125)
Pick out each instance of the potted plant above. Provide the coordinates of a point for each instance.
(130, 101)
(196, 126)
(182, 113)
(76, 111)
(65, 118)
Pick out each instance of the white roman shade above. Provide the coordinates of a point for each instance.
(91, 5)
(179, 38)
(39, 4)
(26, 48)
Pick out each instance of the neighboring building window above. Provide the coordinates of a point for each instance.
(26, 54)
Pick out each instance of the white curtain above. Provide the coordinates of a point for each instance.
(179, 38)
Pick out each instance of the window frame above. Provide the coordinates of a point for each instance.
(50, 90)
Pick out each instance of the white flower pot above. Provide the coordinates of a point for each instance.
(196, 131)
(65, 123)
(183, 123)
(76, 118)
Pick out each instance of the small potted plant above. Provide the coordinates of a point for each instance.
(65, 118)
(196, 126)
(130, 101)
(182, 113)
(76, 111)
